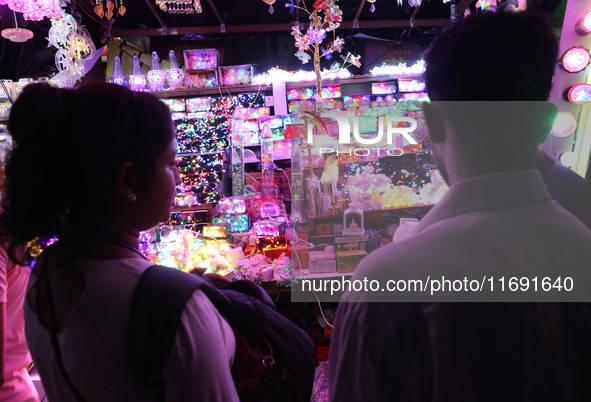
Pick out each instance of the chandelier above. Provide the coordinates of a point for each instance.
(180, 6)
(35, 10)
(16, 34)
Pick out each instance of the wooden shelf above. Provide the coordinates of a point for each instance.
(365, 213)
(219, 91)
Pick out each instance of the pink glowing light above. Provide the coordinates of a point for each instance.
(584, 25)
(269, 228)
(575, 59)
(580, 94)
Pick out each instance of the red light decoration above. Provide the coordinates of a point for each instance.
(575, 59)
(579, 94)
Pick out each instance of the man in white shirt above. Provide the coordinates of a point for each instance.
(497, 222)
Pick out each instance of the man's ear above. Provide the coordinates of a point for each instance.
(435, 122)
(126, 179)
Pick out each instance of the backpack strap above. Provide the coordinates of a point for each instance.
(158, 302)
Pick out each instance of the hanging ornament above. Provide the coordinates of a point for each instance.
(110, 8)
(74, 46)
(414, 3)
(98, 10)
(270, 3)
(122, 8)
(197, 6)
(373, 7)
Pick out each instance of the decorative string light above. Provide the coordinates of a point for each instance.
(400, 69)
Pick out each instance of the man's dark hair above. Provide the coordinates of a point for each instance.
(491, 57)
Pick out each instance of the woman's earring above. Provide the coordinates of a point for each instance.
(131, 195)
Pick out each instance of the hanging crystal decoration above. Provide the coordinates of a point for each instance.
(373, 7)
(137, 80)
(270, 3)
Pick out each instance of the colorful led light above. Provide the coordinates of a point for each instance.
(331, 92)
(300, 93)
(575, 59)
(215, 231)
(400, 69)
(264, 244)
(583, 27)
(416, 85)
(238, 223)
(233, 205)
(267, 228)
(383, 88)
(156, 77)
(200, 59)
(564, 125)
(236, 75)
(580, 94)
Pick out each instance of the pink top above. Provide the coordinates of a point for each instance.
(13, 285)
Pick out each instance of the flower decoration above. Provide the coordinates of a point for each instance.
(321, 4)
(303, 56)
(291, 6)
(316, 35)
(326, 16)
(333, 16)
(303, 43)
(327, 53)
(338, 44)
(354, 60)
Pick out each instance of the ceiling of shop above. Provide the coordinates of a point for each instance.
(224, 20)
